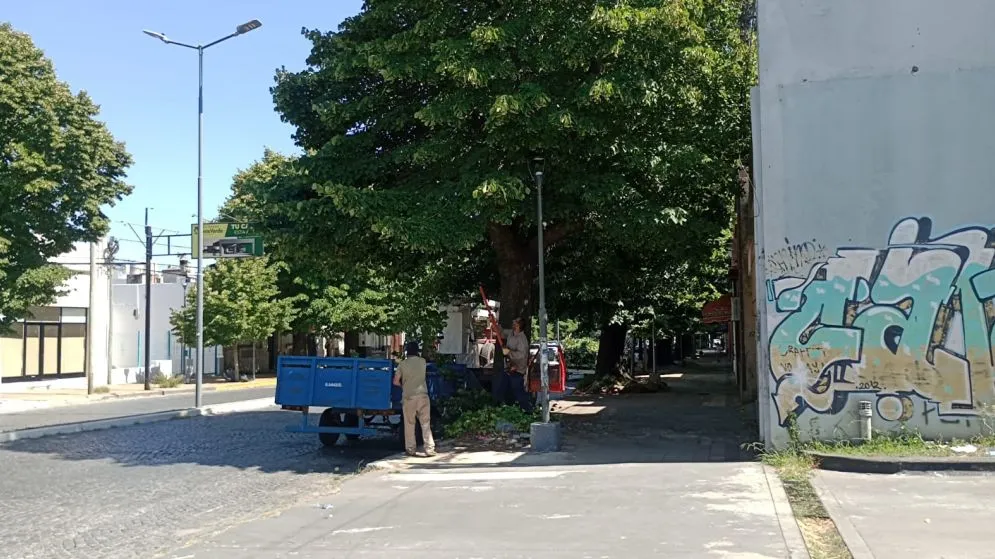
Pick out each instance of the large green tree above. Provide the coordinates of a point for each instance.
(242, 304)
(59, 167)
(333, 293)
(420, 120)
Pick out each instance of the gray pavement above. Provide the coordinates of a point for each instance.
(658, 475)
(58, 415)
(144, 490)
(941, 516)
(686, 510)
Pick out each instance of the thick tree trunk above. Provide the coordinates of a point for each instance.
(351, 343)
(235, 353)
(300, 343)
(253, 360)
(610, 348)
(312, 345)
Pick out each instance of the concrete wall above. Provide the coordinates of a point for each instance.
(128, 339)
(875, 201)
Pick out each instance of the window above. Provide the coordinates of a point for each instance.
(73, 355)
(50, 342)
(12, 351)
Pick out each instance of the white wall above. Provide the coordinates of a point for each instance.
(77, 294)
(874, 145)
(128, 340)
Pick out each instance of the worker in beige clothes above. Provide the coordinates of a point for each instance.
(411, 377)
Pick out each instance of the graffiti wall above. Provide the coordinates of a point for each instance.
(874, 214)
(907, 325)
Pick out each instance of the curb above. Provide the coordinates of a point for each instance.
(885, 465)
(101, 424)
(792, 534)
(851, 537)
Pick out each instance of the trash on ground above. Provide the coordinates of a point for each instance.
(964, 449)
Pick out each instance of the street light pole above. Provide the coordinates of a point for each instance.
(240, 30)
(543, 357)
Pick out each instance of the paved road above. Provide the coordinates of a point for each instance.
(142, 491)
(58, 415)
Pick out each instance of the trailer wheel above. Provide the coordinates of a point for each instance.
(329, 418)
(350, 420)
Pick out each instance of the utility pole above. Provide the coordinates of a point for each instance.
(148, 302)
(91, 355)
(543, 319)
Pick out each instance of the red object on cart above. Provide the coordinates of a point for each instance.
(557, 369)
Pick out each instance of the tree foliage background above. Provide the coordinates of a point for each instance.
(242, 303)
(420, 122)
(59, 166)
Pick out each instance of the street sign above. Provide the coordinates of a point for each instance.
(226, 240)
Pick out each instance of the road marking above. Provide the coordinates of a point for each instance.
(362, 530)
(475, 476)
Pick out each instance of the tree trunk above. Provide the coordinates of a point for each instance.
(517, 268)
(235, 358)
(253, 360)
(610, 348)
(351, 342)
(300, 343)
(312, 345)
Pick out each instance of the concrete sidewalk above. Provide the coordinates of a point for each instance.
(652, 475)
(941, 515)
(715, 510)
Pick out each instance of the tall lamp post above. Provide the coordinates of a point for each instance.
(240, 30)
(543, 319)
(545, 435)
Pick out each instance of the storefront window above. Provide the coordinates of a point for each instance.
(50, 342)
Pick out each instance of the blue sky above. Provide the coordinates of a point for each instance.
(147, 90)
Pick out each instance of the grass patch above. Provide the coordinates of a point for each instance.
(901, 444)
(102, 390)
(162, 381)
(818, 530)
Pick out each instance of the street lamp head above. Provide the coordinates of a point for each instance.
(538, 166)
(156, 35)
(248, 26)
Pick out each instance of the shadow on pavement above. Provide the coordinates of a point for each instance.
(698, 420)
(245, 440)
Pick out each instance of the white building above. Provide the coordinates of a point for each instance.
(52, 347)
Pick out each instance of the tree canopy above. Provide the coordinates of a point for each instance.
(420, 121)
(59, 166)
(242, 303)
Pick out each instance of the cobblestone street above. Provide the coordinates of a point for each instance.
(142, 491)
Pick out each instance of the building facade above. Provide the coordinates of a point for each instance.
(874, 204)
(52, 347)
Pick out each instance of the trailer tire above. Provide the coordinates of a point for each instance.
(350, 420)
(329, 418)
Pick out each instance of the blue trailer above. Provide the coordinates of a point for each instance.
(358, 395)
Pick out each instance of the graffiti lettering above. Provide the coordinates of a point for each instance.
(914, 318)
(797, 258)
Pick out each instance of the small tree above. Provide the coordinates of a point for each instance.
(242, 303)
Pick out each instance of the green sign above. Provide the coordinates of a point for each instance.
(226, 240)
